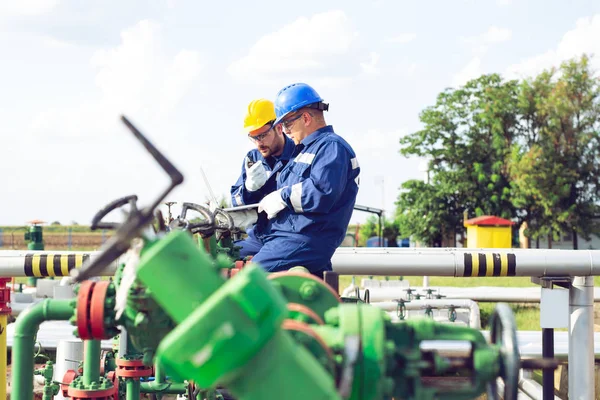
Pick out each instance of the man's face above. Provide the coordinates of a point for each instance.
(293, 126)
(267, 140)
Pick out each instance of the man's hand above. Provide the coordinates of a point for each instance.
(272, 204)
(256, 175)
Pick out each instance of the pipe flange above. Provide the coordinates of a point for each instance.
(112, 376)
(78, 394)
(132, 369)
(311, 340)
(84, 298)
(302, 313)
(69, 377)
(97, 305)
(101, 390)
(307, 290)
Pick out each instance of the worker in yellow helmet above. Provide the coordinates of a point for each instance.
(261, 165)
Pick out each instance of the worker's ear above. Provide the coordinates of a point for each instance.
(279, 129)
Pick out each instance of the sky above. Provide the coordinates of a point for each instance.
(184, 71)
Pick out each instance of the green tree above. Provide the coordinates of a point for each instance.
(467, 136)
(555, 168)
(428, 212)
(371, 229)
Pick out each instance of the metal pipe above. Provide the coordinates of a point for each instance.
(474, 314)
(163, 388)
(481, 294)
(91, 362)
(466, 262)
(534, 390)
(69, 353)
(380, 261)
(26, 328)
(16, 263)
(581, 338)
(132, 387)
(160, 384)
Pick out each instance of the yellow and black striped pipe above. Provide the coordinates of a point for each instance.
(43, 265)
(490, 264)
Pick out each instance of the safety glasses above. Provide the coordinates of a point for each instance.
(287, 125)
(261, 137)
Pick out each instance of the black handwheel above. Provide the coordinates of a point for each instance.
(223, 220)
(113, 205)
(503, 331)
(205, 226)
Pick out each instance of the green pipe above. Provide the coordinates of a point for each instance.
(132, 386)
(160, 384)
(26, 328)
(164, 388)
(91, 362)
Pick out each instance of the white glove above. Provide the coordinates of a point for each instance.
(244, 218)
(256, 175)
(272, 204)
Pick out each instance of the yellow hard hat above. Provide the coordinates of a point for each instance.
(260, 112)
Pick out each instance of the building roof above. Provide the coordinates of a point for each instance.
(488, 220)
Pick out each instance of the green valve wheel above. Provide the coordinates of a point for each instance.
(307, 290)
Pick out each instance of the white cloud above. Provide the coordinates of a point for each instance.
(582, 39)
(370, 67)
(496, 35)
(470, 71)
(503, 3)
(403, 38)
(54, 43)
(138, 75)
(479, 44)
(14, 8)
(307, 44)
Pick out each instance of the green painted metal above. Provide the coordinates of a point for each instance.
(91, 361)
(91, 379)
(229, 332)
(286, 371)
(181, 274)
(307, 290)
(133, 390)
(391, 362)
(51, 388)
(145, 321)
(101, 384)
(409, 363)
(35, 237)
(160, 385)
(228, 329)
(26, 328)
(35, 241)
(373, 340)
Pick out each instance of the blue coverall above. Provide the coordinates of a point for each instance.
(240, 195)
(319, 187)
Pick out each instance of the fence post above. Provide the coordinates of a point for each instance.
(1, 238)
(103, 236)
(69, 238)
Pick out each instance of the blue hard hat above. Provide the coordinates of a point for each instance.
(294, 97)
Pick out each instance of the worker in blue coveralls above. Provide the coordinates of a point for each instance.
(311, 208)
(260, 166)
